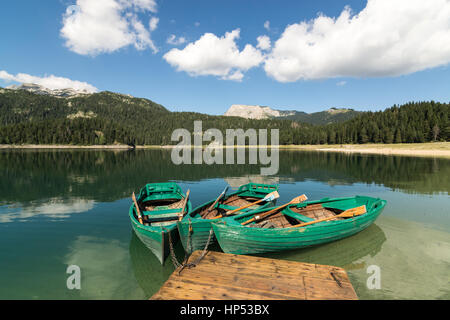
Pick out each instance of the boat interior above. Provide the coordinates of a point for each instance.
(311, 212)
(229, 204)
(161, 212)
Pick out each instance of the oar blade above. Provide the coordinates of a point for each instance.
(353, 212)
(272, 196)
(299, 199)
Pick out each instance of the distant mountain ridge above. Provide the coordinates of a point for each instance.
(38, 89)
(332, 115)
(29, 117)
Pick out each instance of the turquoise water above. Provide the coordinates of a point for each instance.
(61, 208)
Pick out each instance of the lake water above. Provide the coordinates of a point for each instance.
(61, 208)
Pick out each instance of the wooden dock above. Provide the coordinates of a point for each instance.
(221, 276)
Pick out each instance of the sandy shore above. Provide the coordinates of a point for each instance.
(434, 149)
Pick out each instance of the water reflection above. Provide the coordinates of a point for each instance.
(105, 268)
(343, 253)
(52, 208)
(414, 263)
(109, 176)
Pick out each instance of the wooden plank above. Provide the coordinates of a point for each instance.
(221, 276)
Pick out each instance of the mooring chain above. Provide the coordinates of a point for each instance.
(175, 262)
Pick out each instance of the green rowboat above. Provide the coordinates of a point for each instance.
(160, 205)
(196, 225)
(277, 232)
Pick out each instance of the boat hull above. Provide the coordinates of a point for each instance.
(157, 241)
(237, 239)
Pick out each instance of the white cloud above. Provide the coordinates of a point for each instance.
(197, 24)
(267, 25)
(211, 55)
(387, 38)
(153, 23)
(172, 39)
(104, 26)
(341, 83)
(50, 82)
(263, 43)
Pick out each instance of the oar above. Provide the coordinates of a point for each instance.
(218, 199)
(137, 209)
(269, 197)
(184, 204)
(268, 213)
(346, 214)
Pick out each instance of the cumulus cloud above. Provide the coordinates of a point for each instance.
(263, 43)
(173, 40)
(267, 25)
(211, 55)
(50, 82)
(104, 26)
(387, 38)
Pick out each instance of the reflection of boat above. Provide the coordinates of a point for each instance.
(342, 253)
(161, 204)
(278, 231)
(196, 225)
(147, 269)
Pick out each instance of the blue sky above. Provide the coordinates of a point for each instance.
(388, 54)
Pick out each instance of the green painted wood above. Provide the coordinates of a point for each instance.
(201, 227)
(155, 236)
(237, 239)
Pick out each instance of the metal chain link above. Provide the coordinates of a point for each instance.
(185, 263)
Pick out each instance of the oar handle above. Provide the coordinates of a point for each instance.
(217, 200)
(137, 209)
(245, 207)
(268, 213)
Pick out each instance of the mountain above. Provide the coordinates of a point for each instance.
(28, 117)
(255, 112)
(37, 89)
(333, 115)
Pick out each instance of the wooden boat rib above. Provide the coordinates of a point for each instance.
(278, 232)
(196, 225)
(160, 205)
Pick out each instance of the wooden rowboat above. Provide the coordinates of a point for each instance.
(160, 206)
(196, 225)
(284, 229)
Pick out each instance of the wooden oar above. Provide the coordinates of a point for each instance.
(184, 204)
(269, 197)
(268, 213)
(137, 209)
(346, 214)
(217, 200)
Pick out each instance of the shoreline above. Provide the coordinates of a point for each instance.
(428, 149)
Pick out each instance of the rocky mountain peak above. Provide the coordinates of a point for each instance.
(38, 89)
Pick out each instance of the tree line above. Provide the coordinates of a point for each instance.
(108, 118)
